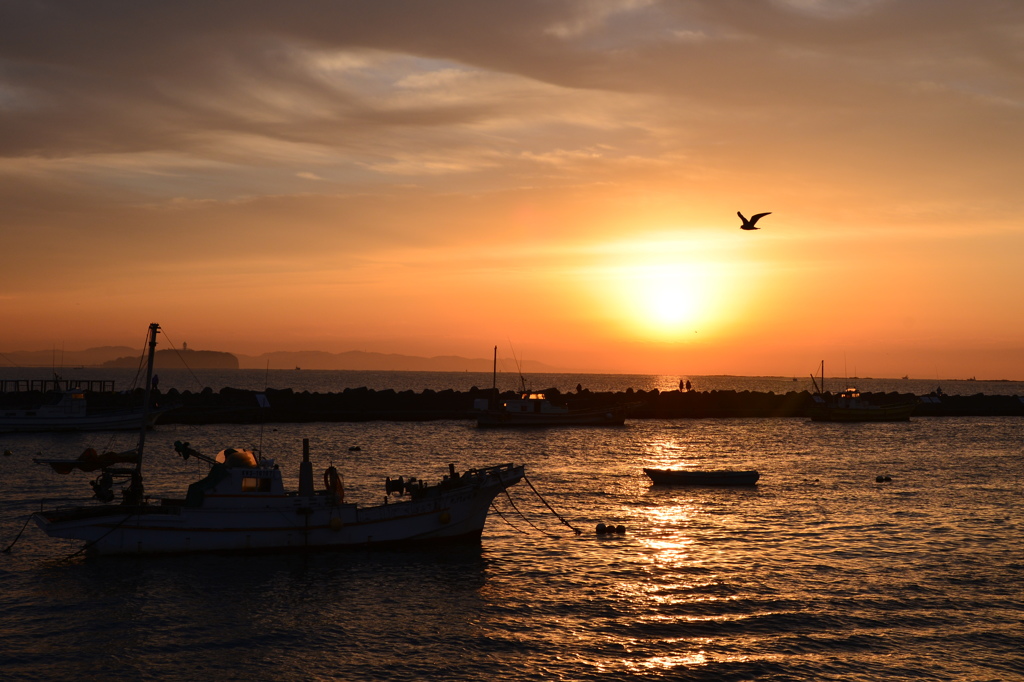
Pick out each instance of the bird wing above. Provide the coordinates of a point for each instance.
(754, 218)
(741, 216)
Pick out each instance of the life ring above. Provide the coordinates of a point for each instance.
(332, 481)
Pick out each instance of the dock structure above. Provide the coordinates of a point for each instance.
(44, 385)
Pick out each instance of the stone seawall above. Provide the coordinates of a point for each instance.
(363, 404)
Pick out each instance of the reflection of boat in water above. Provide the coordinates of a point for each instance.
(68, 411)
(534, 409)
(851, 406)
(241, 504)
(717, 477)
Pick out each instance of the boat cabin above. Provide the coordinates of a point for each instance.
(236, 477)
(533, 403)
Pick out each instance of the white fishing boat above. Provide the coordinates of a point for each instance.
(850, 406)
(69, 411)
(533, 408)
(241, 505)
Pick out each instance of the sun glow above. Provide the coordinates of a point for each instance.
(669, 301)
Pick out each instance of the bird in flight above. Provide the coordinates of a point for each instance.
(749, 224)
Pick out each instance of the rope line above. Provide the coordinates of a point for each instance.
(8, 550)
(523, 516)
(560, 517)
(183, 362)
(505, 519)
(89, 545)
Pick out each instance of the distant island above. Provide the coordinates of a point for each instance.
(181, 359)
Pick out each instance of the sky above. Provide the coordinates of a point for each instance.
(559, 178)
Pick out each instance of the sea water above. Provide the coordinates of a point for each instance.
(817, 573)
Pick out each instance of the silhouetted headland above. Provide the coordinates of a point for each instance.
(238, 406)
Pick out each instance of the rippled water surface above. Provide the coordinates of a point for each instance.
(816, 573)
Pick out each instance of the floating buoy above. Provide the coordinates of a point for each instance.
(355, 448)
(879, 479)
(601, 529)
(621, 530)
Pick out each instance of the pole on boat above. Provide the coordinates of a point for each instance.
(494, 379)
(154, 328)
(305, 471)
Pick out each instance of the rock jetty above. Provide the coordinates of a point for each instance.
(230, 405)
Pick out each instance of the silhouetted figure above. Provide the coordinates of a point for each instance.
(156, 381)
(579, 388)
(749, 224)
(688, 386)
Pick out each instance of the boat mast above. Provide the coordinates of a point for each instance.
(494, 379)
(147, 391)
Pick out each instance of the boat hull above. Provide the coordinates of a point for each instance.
(119, 421)
(871, 413)
(283, 523)
(723, 477)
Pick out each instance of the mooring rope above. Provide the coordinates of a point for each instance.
(505, 518)
(89, 545)
(523, 516)
(560, 517)
(8, 550)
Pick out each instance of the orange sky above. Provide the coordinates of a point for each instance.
(560, 177)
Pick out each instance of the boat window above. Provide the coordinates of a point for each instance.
(255, 485)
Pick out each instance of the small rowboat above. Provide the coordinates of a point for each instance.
(696, 477)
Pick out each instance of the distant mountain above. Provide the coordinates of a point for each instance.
(71, 358)
(363, 360)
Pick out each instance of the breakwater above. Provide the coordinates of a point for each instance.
(230, 405)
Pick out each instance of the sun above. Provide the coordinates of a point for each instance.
(667, 301)
(665, 289)
(668, 297)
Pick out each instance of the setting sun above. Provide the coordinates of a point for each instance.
(664, 289)
(666, 301)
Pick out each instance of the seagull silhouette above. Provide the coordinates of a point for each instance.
(749, 224)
